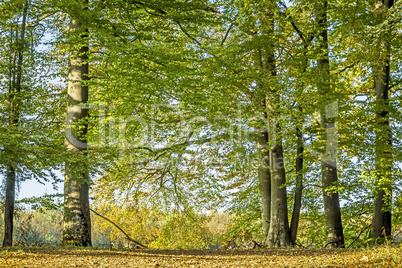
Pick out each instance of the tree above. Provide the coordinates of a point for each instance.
(264, 182)
(332, 209)
(14, 111)
(30, 137)
(294, 224)
(279, 232)
(76, 218)
(381, 223)
(160, 67)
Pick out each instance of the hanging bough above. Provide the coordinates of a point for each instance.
(127, 236)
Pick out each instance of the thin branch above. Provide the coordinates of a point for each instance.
(217, 13)
(346, 67)
(314, 185)
(358, 236)
(186, 143)
(395, 85)
(227, 34)
(138, 4)
(143, 148)
(301, 35)
(127, 236)
(44, 16)
(188, 35)
(292, 23)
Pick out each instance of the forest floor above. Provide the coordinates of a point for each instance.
(84, 257)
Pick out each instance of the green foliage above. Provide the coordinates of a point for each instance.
(245, 227)
(45, 202)
(174, 108)
(183, 231)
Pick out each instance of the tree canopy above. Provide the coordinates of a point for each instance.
(284, 114)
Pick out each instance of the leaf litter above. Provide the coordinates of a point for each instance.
(88, 257)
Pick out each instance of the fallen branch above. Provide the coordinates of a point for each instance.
(127, 236)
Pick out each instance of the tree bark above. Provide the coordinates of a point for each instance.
(9, 207)
(381, 222)
(333, 221)
(14, 118)
(299, 187)
(279, 231)
(76, 218)
(264, 181)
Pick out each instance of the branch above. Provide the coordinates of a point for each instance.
(233, 22)
(395, 85)
(314, 185)
(346, 67)
(358, 236)
(138, 4)
(127, 236)
(32, 23)
(195, 40)
(186, 143)
(188, 35)
(44, 16)
(294, 25)
(256, 244)
(227, 34)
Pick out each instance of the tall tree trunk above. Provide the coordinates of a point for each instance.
(264, 173)
(9, 207)
(381, 223)
(299, 187)
(76, 218)
(279, 231)
(14, 118)
(333, 221)
(294, 223)
(264, 181)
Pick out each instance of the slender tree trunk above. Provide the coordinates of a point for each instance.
(294, 224)
(264, 180)
(381, 223)
(76, 219)
(264, 173)
(333, 221)
(14, 118)
(299, 187)
(9, 207)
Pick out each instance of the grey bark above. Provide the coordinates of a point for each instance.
(279, 231)
(381, 222)
(14, 118)
(332, 211)
(76, 218)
